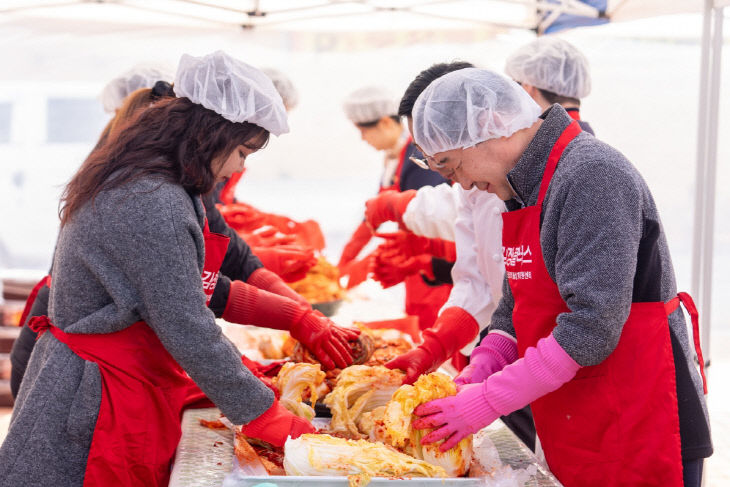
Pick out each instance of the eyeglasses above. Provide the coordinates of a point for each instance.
(428, 162)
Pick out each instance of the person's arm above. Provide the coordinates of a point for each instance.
(473, 292)
(164, 273)
(239, 262)
(432, 212)
(594, 224)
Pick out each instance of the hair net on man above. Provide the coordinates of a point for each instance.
(370, 104)
(141, 76)
(469, 106)
(235, 90)
(551, 64)
(284, 86)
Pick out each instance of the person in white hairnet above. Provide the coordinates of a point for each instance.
(374, 111)
(134, 268)
(600, 348)
(552, 70)
(140, 76)
(225, 193)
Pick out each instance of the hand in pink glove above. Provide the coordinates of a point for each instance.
(388, 206)
(276, 424)
(268, 236)
(492, 355)
(542, 370)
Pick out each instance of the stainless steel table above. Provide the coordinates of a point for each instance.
(205, 456)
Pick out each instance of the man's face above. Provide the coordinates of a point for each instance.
(484, 166)
(379, 136)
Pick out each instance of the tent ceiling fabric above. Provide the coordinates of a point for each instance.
(339, 15)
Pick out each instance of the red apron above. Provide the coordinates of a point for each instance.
(422, 300)
(573, 113)
(615, 423)
(143, 392)
(45, 281)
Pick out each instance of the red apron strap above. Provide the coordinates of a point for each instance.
(565, 138)
(689, 304)
(39, 324)
(46, 281)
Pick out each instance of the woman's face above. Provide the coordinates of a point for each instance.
(223, 168)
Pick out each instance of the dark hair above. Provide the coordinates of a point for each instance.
(135, 101)
(365, 125)
(425, 78)
(174, 138)
(553, 98)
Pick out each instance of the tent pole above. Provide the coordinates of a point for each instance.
(701, 152)
(699, 234)
(710, 182)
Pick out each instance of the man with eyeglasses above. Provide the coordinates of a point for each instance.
(600, 349)
(373, 110)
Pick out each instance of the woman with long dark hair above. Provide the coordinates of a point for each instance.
(128, 321)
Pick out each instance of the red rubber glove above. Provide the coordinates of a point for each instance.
(542, 370)
(359, 239)
(268, 281)
(267, 236)
(290, 262)
(392, 270)
(409, 244)
(327, 341)
(453, 330)
(276, 424)
(388, 206)
(242, 217)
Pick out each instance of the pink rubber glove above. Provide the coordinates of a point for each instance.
(543, 369)
(264, 279)
(494, 353)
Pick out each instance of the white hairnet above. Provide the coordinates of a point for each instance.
(468, 106)
(284, 86)
(233, 89)
(552, 64)
(141, 76)
(370, 104)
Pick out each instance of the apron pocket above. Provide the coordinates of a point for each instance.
(580, 421)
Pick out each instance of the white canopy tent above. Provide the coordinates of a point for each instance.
(495, 15)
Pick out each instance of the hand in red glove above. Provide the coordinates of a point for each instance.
(453, 329)
(327, 341)
(388, 206)
(267, 236)
(392, 270)
(242, 217)
(359, 239)
(409, 244)
(290, 262)
(276, 424)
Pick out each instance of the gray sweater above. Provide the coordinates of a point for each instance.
(135, 254)
(604, 247)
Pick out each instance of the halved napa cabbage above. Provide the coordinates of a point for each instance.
(400, 433)
(360, 388)
(292, 380)
(360, 460)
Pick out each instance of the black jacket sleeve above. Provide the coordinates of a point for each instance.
(239, 262)
(23, 346)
